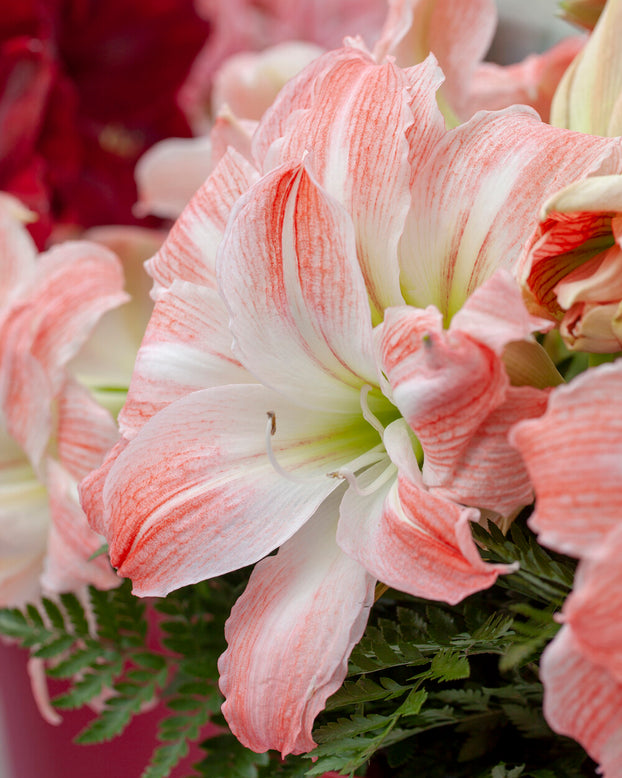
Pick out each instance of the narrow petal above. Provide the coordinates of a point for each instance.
(476, 205)
(412, 539)
(189, 253)
(583, 701)
(187, 346)
(444, 383)
(288, 272)
(290, 635)
(197, 492)
(582, 429)
(40, 691)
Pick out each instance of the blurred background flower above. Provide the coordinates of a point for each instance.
(85, 88)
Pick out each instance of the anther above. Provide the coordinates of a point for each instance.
(270, 431)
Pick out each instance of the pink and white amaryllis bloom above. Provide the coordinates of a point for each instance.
(572, 271)
(354, 201)
(582, 668)
(53, 431)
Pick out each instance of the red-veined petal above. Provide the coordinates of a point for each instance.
(196, 492)
(290, 635)
(187, 346)
(581, 431)
(76, 283)
(444, 383)
(410, 538)
(71, 541)
(583, 701)
(289, 275)
(478, 200)
(189, 252)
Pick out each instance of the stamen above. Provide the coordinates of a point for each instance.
(270, 431)
(371, 457)
(369, 417)
(365, 491)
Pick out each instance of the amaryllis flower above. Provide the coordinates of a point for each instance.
(582, 668)
(53, 431)
(351, 208)
(85, 89)
(572, 272)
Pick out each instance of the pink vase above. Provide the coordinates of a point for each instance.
(33, 748)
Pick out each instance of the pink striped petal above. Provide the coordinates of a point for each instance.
(366, 168)
(199, 476)
(412, 539)
(583, 701)
(71, 541)
(299, 308)
(495, 314)
(90, 489)
(563, 244)
(445, 385)
(187, 346)
(593, 608)
(297, 95)
(75, 285)
(189, 253)
(85, 431)
(476, 204)
(581, 431)
(290, 636)
(458, 34)
(491, 474)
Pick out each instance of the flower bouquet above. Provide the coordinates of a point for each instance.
(336, 481)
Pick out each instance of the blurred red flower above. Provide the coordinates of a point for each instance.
(85, 88)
